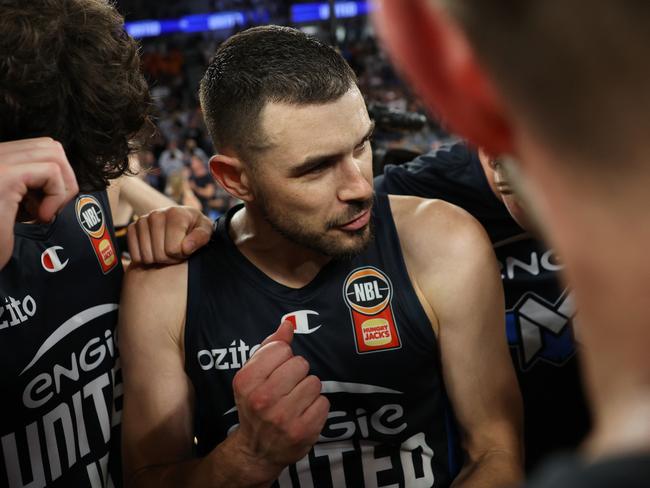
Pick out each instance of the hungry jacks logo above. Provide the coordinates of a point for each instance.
(368, 292)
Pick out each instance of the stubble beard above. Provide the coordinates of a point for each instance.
(335, 247)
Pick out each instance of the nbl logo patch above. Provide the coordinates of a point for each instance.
(368, 292)
(91, 219)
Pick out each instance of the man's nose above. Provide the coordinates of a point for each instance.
(354, 184)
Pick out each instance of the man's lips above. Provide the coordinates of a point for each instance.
(358, 222)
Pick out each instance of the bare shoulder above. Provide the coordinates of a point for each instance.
(435, 233)
(154, 301)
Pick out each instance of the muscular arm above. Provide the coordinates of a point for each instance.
(453, 265)
(280, 408)
(157, 416)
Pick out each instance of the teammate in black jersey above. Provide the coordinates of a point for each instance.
(539, 310)
(405, 323)
(558, 91)
(71, 98)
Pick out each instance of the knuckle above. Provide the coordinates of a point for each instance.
(303, 363)
(54, 169)
(299, 365)
(325, 403)
(141, 223)
(58, 147)
(295, 434)
(284, 349)
(279, 419)
(174, 213)
(156, 216)
(259, 401)
(279, 349)
(314, 384)
(238, 382)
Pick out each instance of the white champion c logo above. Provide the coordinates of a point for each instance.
(300, 321)
(51, 261)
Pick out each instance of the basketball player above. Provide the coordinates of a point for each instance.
(560, 87)
(385, 322)
(67, 72)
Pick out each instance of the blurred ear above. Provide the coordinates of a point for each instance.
(437, 59)
(231, 174)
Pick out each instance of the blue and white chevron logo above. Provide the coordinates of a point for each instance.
(541, 330)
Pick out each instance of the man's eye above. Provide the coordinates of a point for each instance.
(319, 168)
(361, 147)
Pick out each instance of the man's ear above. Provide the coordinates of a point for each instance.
(438, 60)
(231, 174)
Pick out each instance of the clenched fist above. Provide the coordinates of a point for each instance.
(36, 178)
(281, 410)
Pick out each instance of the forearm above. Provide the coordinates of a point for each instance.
(494, 469)
(141, 196)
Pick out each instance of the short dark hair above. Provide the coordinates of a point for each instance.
(578, 70)
(69, 71)
(267, 64)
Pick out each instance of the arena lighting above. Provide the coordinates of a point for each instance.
(310, 12)
(187, 24)
(302, 12)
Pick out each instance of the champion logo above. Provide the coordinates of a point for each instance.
(300, 321)
(51, 260)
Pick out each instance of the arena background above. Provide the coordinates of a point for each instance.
(178, 39)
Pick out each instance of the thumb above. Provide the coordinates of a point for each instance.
(284, 333)
(198, 235)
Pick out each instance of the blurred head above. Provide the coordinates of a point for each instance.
(560, 86)
(69, 71)
(198, 166)
(176, 186)
(293, 133)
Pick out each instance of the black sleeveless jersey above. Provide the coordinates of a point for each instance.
(539, 311)
(59, 295)
(365, 335)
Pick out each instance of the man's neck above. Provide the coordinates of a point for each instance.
(282, 260)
